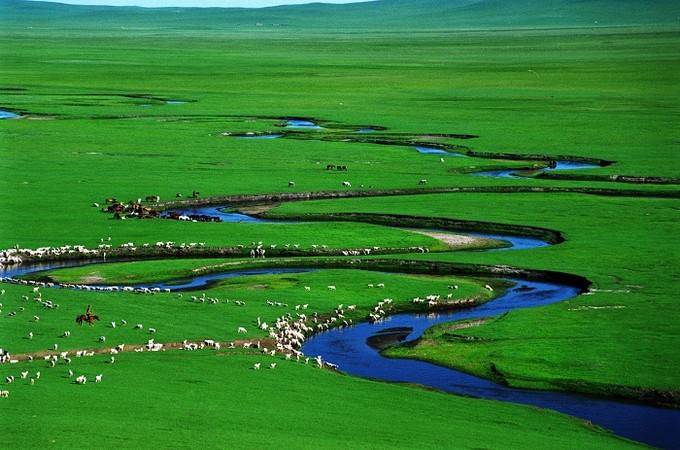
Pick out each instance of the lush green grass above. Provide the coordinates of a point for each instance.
(177, 317)
(623, 245)
(602, 93)
(182, 399)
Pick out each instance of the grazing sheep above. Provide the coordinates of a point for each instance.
(346, 184)
(256, 366)
(152, 330)
(291, 184)
(98, 378)
(423, 181)
(331, 288)
(242, 330)
(102, 338)
(486, 286)
(9, 379)
(307, 288)
(82, 379)
(24, 375)
(4, 394)
(272, 366)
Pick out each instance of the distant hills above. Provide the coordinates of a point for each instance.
(381, 14)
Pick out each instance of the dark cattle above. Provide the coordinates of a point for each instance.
(330, 166)
(195, 194)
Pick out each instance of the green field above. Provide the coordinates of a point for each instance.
(598, 81)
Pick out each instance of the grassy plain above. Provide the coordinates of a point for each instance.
(608, 93)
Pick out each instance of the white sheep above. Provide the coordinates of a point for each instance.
(242, 330)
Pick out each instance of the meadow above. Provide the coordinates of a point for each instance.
(95, 124)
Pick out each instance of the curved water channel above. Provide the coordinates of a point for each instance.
(355, 351)
(7, 114)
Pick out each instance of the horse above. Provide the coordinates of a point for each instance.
(89, 318)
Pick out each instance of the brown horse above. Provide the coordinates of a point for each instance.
(87, 317)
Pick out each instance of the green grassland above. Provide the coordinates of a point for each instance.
(607, 92)
(176, 317)
(621, 245)
(178, 399)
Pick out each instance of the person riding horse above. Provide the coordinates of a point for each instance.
(87, 317)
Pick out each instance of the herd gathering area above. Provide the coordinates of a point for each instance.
(290, 228)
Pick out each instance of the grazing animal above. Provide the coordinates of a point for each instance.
(346, 184)
(486, 286)
(242, 330)
(256, 366)
(82, 379)
(98, 378)
(423, 181)
(272, 366)
(331, 288)
(291, 184)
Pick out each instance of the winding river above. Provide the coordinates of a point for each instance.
(356, 349)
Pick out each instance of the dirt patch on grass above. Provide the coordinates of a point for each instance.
(92, 279)
(254, 210)
(454, 240)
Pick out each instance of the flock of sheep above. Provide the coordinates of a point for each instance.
(286, 334)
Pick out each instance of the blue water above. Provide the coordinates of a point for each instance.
(436, 151)
(348, 348)
(7, 114)
(561, 165)
(175, 102)
(517, 242)
(224, 213)
(296, 123)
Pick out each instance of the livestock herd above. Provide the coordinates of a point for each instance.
(286, 334)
